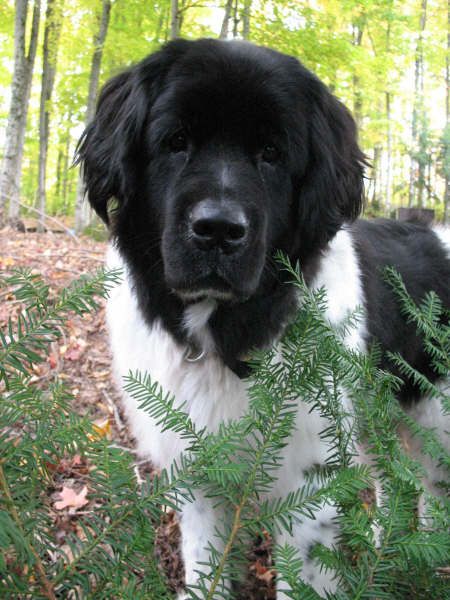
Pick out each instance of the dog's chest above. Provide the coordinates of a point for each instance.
(208, 390)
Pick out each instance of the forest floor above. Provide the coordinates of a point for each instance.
(81, 358)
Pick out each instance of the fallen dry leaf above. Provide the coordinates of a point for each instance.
(72, 499)
(262, 572)
(74, 352)
(102, 428)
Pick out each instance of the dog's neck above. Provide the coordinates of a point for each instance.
(229, 330)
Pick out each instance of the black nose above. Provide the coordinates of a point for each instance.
(216, 224)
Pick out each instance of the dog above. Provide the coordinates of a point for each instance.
(217, 154)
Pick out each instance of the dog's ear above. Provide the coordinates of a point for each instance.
(331, 189)
(111, 148)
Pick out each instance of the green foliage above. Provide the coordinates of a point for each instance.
(236, 465)
(323, 34)
(38, 429)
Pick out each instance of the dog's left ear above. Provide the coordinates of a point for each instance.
(331, 189)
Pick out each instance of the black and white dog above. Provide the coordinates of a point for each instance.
(218, 154)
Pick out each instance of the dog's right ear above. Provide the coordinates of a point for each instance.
(111, 148)
(104, 145)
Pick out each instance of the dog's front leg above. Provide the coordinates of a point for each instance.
(305, 535)
(199, 523)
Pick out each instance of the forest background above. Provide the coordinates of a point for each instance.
(387, 60)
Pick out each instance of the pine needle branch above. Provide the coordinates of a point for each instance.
(47, 587)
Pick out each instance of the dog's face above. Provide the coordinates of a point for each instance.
(219, 154)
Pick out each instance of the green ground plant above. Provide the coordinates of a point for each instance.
(115, 557)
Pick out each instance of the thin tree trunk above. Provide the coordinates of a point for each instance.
(226, 20)
(235, 19)
(376, 176)
(417, 105)
(66, 173)
(53, 21)
(174, 20)
(428, 185)
(246, 19)
(422, 160)
(20, 94)
(63, 163)
(59, 170)
(388, 133)
(83, 213)
(358, 29)
(388, 155)
(447, 127)
(159, 28)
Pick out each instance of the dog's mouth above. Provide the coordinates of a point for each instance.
(205, 294)
(212, 287)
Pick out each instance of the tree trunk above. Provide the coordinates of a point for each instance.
(53, 21)
(358, 29)
(376, 171)
(59, 170)
(63, 161)
(388, 132)
(447, 127)
(161, 24)
(66, 171)
(226, 20)
(388, 201)
(20, 94)
(417, 106)
(246, 19)
(235, 19)
(83, 212)
(174, 20)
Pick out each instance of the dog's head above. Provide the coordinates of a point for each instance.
(218, 154)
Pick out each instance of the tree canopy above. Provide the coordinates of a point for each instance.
(387, 60)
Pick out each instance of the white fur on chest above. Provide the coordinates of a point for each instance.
(210, 391)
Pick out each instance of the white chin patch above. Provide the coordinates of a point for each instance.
(196, 295)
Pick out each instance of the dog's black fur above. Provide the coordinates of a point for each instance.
(417, 254)
(252, 129)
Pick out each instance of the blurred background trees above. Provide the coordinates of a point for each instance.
(388, 60)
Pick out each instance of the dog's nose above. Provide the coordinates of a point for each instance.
(215, 224)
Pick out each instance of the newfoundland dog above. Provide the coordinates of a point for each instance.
(205, 159)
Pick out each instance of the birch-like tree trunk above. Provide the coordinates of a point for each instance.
(376, 176)
(174, 19)
(417, 106)
(246, 19)
(53, 22)
(20, 95)
(358, 30)
(226, 20)
(236, 18)
(83, 212)
(447, 127)
(388, 201)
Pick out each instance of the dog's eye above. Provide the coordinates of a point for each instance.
(178, 142)
(270, 153)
